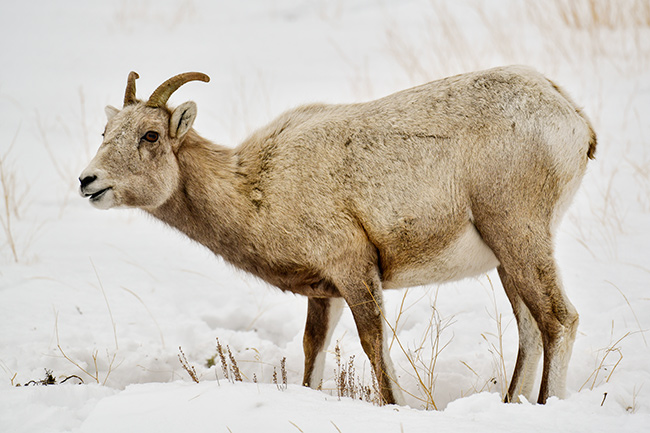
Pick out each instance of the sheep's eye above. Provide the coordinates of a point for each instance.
(151, 136)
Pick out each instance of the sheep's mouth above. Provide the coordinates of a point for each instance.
(98, 195)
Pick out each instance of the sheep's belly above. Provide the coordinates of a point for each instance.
(468, 256)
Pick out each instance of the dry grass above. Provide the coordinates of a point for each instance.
(632, 406)
(422, 357)
(495, 342)
(437, 48)
(153, 318)
(187, 366)
(49, 379)
(111, 355)
(640, 165)
(8, 184)
(424, 353)
(65, 168)
(360, 80)
(349, 384)
(96, 372)
(250, 103)
(130, 15)
(636, 319)
(283, 372)
(428, 397)
(497, 378)
(453, 38)
(609, 359)
(590, 14)
(594, 32)
(229, 366)
(14, 194)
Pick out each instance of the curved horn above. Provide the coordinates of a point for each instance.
(129, 94)
(160, 96)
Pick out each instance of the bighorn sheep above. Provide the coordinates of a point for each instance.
(337, 202)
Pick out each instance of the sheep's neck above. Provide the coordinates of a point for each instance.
(208, 205)
(212, 206)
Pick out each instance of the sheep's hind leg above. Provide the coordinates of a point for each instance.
(525, 252)
(530, 344)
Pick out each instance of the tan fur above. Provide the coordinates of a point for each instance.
(431, 184)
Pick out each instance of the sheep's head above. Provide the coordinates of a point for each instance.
(136, 164)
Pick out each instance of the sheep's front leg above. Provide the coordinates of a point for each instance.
(322, 316)
(365, 302)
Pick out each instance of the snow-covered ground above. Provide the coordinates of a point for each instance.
(111, 296)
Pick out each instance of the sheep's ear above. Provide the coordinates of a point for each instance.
(110, 111)
(182, 119)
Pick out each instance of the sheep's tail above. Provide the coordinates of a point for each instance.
(593, 141)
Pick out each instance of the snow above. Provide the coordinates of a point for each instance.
(111, 296)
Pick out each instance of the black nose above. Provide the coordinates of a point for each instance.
(87, 180)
